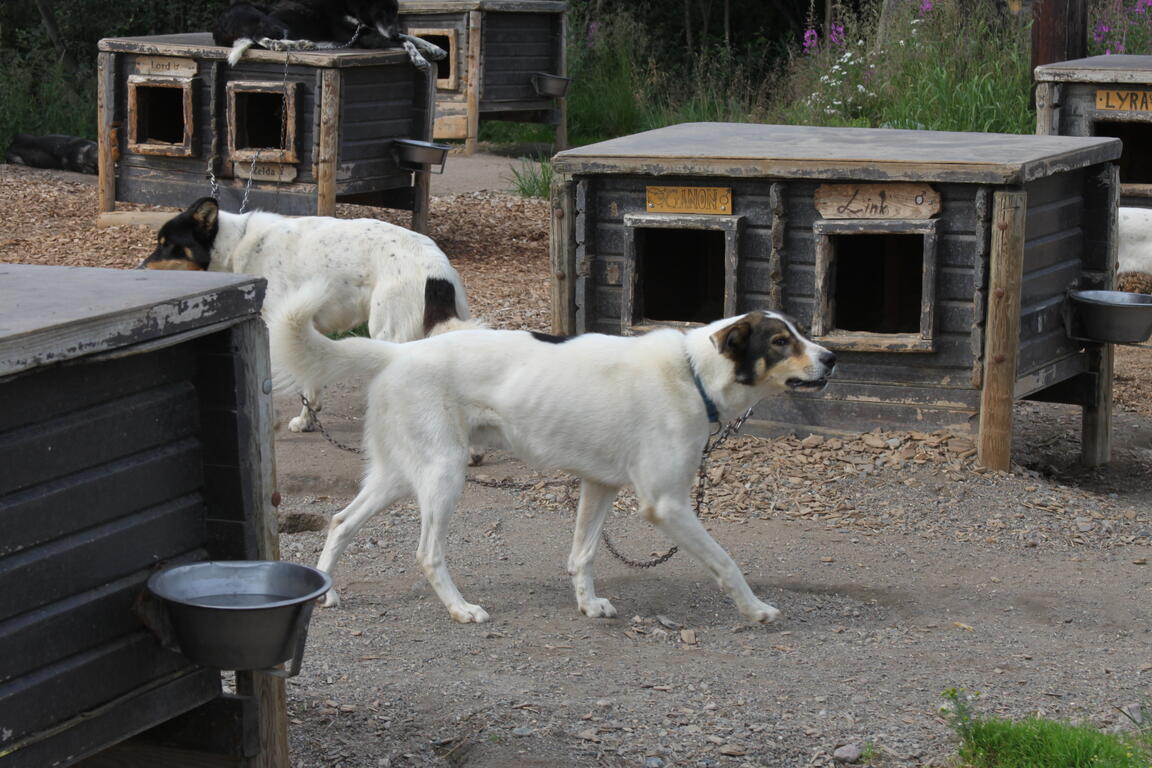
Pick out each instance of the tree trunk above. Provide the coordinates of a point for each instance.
(688, 26)
(53, 30)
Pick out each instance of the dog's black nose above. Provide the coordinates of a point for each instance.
(828, 359)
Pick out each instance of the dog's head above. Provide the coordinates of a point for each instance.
(380, 15)
(185, 242)
(767, 350)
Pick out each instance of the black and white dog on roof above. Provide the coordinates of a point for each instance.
(301, 25)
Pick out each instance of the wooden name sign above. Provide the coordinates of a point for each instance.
(1128, 101)
(877, 201)
(166, 65)
(716, 200)
(281, 174)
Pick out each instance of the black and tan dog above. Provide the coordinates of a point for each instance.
(312, 24)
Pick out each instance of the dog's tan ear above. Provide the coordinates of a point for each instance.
(205, 212)
(732, 340)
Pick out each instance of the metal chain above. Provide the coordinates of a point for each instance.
(714, 441)
(320, 427)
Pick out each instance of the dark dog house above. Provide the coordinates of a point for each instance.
(136, 433)
(935, 264)
(505, 61)
(288, 132)
(1103, 96)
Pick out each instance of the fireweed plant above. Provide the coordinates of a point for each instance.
(1120, 26)
(934, 66)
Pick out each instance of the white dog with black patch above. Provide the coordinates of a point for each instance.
(612, 410)
(395, 280)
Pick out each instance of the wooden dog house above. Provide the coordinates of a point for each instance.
(935, 264)
(1103, 96)
(136, 433)
(291, 132)
(503, 55)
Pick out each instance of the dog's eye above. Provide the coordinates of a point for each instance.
(781, 341)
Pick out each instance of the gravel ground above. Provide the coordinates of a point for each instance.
(901, 566)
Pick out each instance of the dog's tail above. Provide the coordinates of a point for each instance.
(307, 360)
(240, 45)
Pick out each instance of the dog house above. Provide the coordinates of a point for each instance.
(288, 132)
(935, 264)
(505, 61)
(1103, 96)
(136, 433)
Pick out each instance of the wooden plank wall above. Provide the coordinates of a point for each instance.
(377, 104)
(934, 389)
(514, 46)
(93, 495)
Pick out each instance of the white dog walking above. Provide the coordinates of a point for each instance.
(612, 410)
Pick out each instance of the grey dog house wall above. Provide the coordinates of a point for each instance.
(1103, 96)
(309, 129)
(818, 219)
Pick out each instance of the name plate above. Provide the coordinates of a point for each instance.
(165, 65)
(877, 201)
(265, 172)
(1127, 101)
(716, 200)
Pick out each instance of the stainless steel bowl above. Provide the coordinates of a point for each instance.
(240, 614)
(550, 85)
(418, 155)
(1112, 316)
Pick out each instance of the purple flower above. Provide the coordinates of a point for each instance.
(1142, 5)
(925, 6)
(1100, 32)
(836, 34)
(593, 31)
(811, 41)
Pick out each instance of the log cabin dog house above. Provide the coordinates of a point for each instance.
(506, 61)
(1103, 96)
(290, 132)
(137, 432)
(936, 265)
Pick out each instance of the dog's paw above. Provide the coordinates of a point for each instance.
(598, 608)
(762, 613)
(331, 600)
(467, 613)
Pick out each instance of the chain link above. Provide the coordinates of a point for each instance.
(714, 441)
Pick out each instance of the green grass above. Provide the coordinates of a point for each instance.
(1039, 743)
(533, 178)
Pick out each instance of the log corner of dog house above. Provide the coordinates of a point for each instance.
(935, 264)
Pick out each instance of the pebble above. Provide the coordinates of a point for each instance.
(653, 762)
(849, 753)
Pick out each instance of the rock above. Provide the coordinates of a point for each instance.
(522, 731)
(653, 762)
(849, 753)
(298, 522)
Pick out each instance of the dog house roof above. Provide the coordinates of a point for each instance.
(199, 45)
(749, 150)
(51, 314)
(1098, 69)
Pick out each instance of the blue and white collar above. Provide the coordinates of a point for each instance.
(709, 404)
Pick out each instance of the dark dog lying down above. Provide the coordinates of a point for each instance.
(293, 25)
(64, 153)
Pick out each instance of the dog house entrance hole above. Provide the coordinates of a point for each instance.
(877, 282)
(159, 115)
(446, 67)
(260, 121)
(1136, 162)
(682, 275)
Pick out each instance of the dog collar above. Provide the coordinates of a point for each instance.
(709, 403)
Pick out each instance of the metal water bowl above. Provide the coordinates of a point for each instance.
(547, 84)
(241, 614)
(416, 155)
(1111, 316)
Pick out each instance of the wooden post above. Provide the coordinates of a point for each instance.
(1096, 423)
(562, 102)
(1002, 329)
(328, 142)
(1059, 31)
(105, 136)
(422, 180)
(473, 76)
(563, 255)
